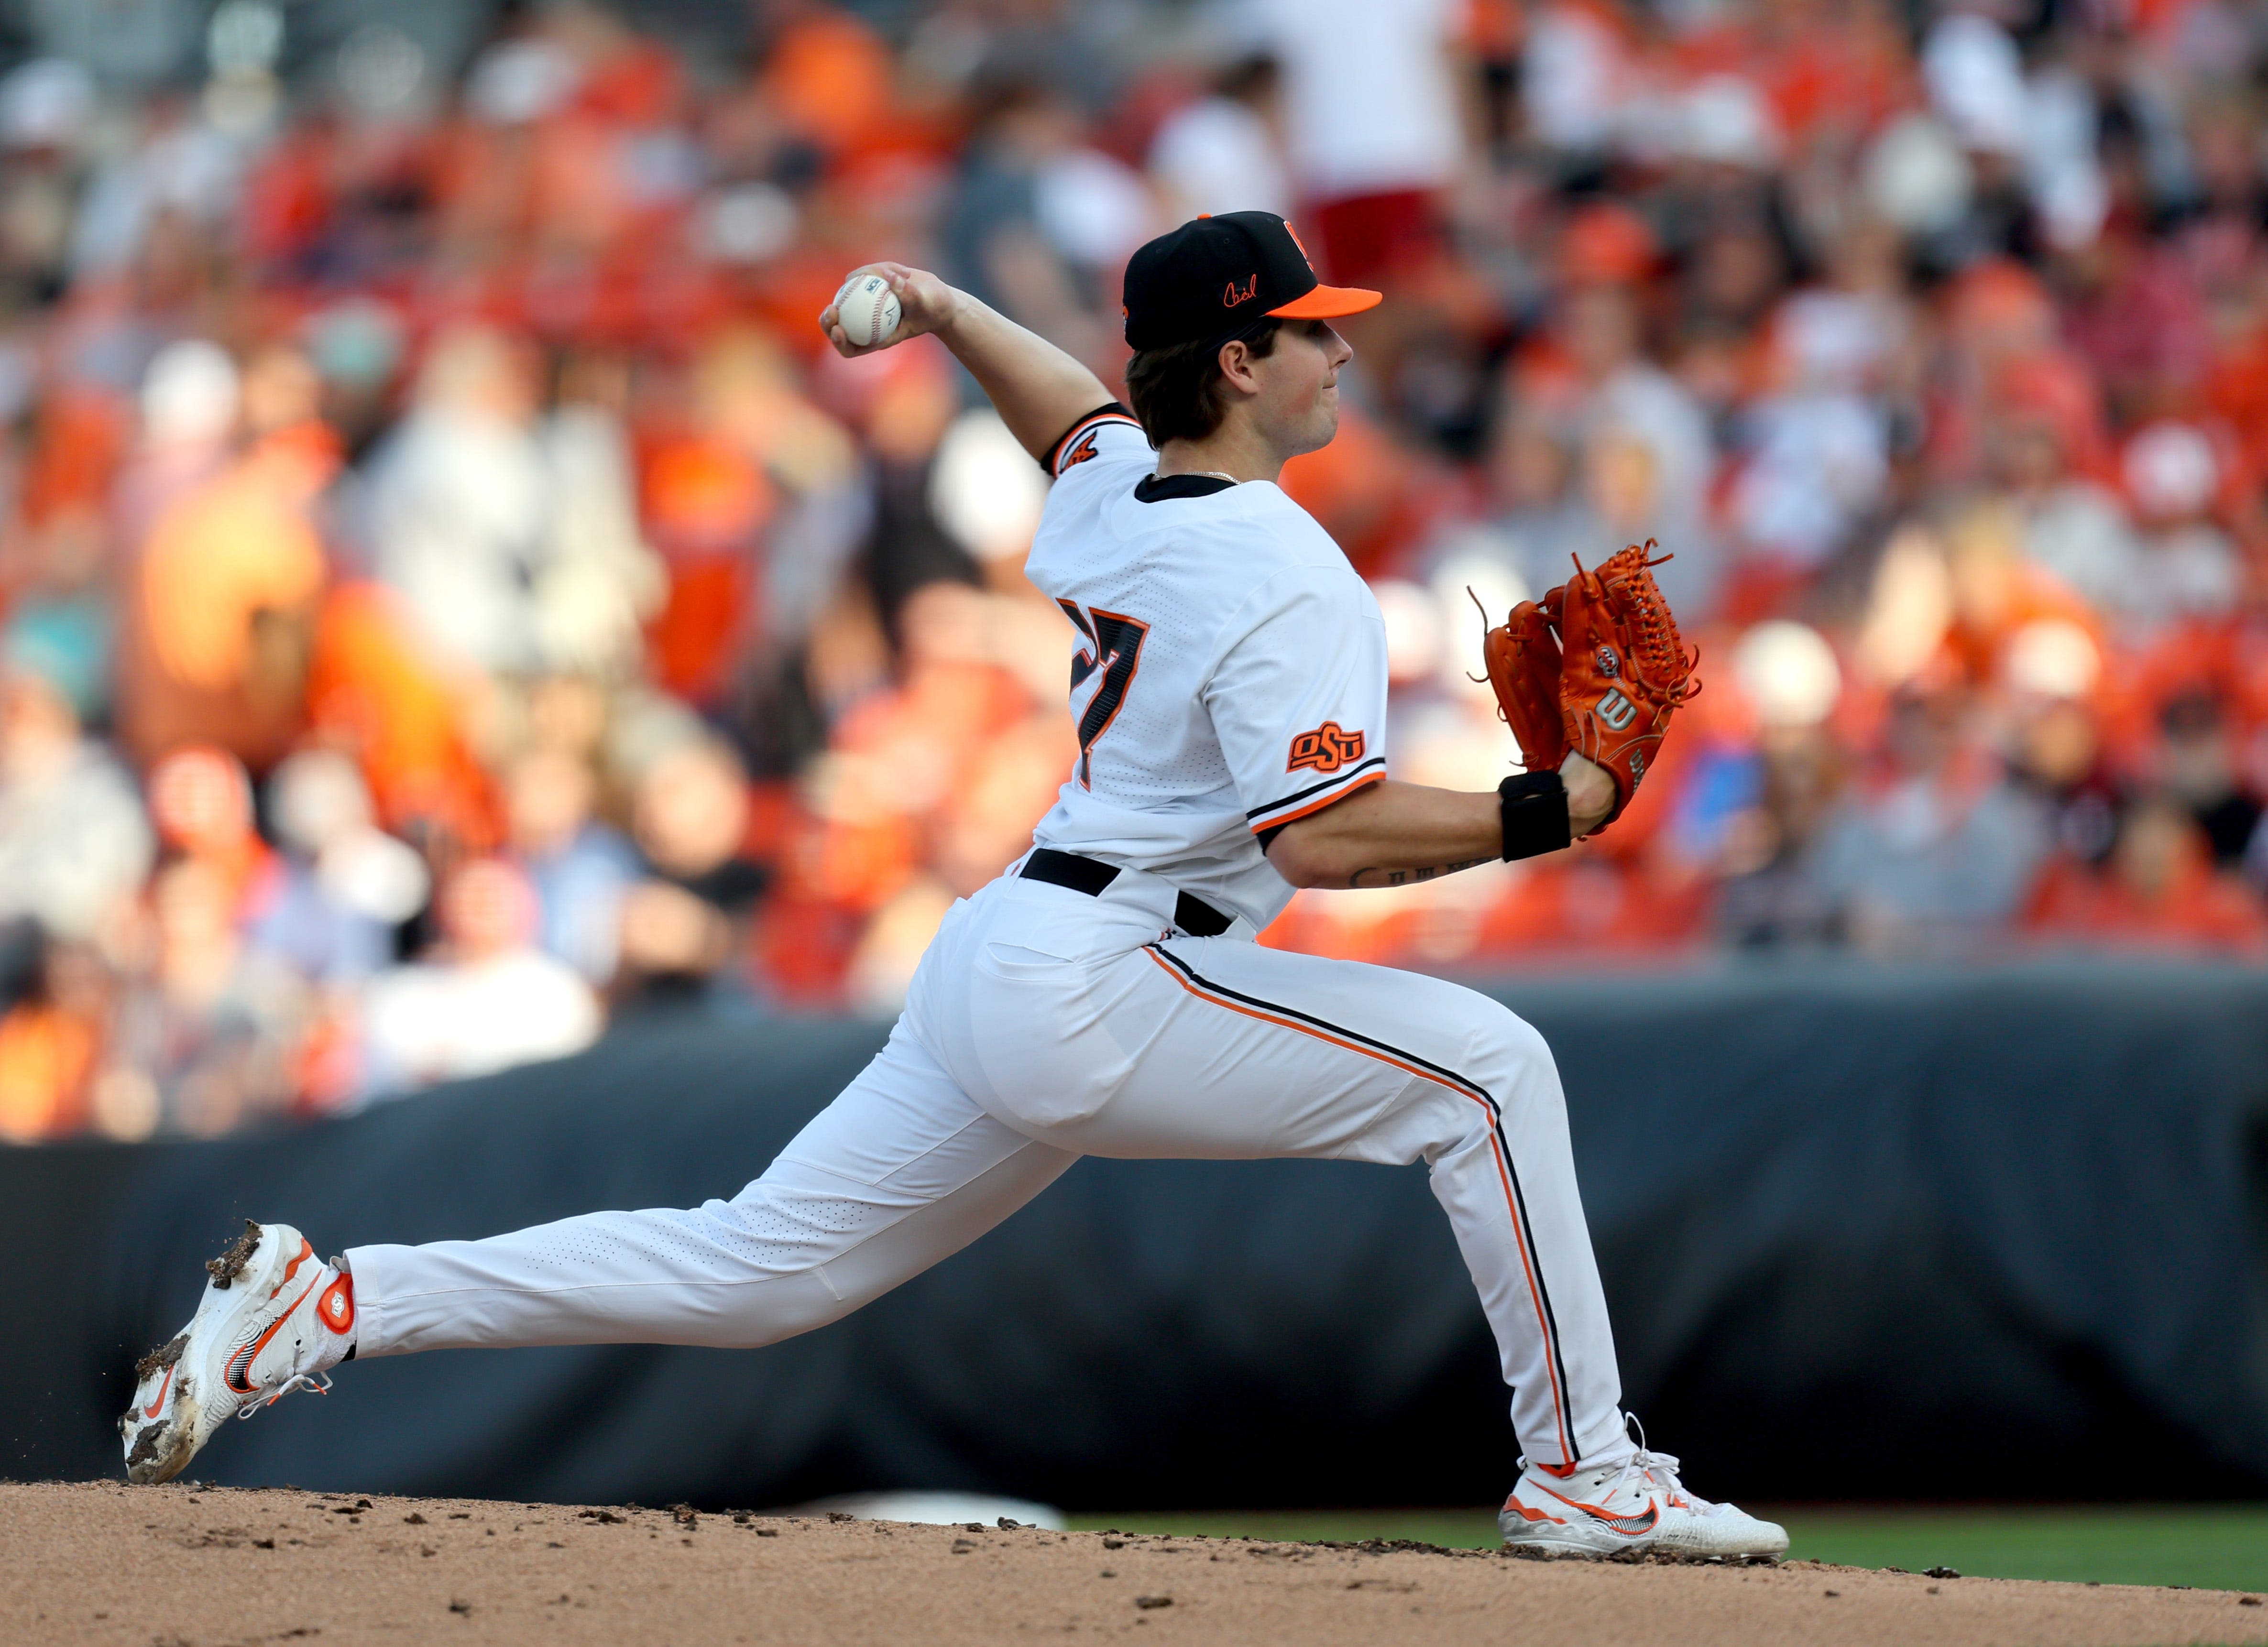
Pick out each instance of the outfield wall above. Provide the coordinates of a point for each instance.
(1868, 1233)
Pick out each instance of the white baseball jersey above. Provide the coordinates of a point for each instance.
(1228, 669)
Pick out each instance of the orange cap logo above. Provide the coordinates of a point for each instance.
(1302, 244)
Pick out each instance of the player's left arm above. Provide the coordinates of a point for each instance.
(1391, 834)
(1039, 390)
(1299, 702)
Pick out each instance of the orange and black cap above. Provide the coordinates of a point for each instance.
(1218, 276)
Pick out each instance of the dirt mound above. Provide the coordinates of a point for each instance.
(101, 1562)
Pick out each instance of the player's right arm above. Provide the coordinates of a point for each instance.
(1039, 390)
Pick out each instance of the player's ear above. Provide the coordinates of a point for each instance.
(1236, 365)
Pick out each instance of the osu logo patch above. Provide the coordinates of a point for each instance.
(1080, 452)
(1327, 749)
(336, 1306)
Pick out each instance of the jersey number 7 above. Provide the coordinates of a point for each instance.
(1114, 650)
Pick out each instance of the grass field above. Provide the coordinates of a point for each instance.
(2211, 1548)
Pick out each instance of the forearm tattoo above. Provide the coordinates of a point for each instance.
(1411, 877)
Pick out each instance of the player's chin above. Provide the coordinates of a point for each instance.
(1324, 423)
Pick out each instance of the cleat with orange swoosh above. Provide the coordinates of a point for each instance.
(1630, 1504)
(273, 1319)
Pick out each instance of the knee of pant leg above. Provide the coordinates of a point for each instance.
(775, 1232)
(774, 1246)
(1503, 1058)
(1508, 1054)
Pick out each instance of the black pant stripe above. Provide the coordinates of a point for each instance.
(1427, 1064)
(1495, 1126)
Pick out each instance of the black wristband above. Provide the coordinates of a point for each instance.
(1534, 814)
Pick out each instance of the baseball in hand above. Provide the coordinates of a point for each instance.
(867, 311)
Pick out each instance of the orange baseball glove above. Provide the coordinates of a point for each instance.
(1624, 671)
(1596, 666)
(1522, 655)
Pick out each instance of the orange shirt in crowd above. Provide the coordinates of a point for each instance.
(375, 693)
(706, 502)
(46, 1057)
(830, 78)
(2197, 909)
(237, 547)
(227, 583)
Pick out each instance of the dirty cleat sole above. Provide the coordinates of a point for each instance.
(227, 1356)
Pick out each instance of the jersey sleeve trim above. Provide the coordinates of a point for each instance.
(1316, 796)
(1116, 412)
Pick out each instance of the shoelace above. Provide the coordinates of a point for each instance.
(1640, 1463)
(1661, 1468)
(1655, 1469)
(318, 1383)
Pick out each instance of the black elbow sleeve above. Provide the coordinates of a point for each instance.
(1535, 806)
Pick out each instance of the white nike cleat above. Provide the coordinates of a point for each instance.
(1631, 1505)
(273, 1318)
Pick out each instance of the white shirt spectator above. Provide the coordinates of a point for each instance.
(457, 504)
(1574, 81)
(1975, 76)
(1817, 463)
(2191, 570)
(1092, 208)
(598, 579)
(74, 843)
(459, 500)
(1369, 99)
(1217, 155)
(2079, 532)
(497, 1001)
(1643, 403)
(439, 1022)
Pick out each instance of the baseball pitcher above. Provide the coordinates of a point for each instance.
(1105, 996)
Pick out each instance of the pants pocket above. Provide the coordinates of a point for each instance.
(1040, 1029)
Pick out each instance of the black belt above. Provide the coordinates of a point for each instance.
(1193, 915)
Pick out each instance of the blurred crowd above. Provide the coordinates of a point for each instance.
(450, 598)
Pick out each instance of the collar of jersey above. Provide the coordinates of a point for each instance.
(1231, 508)
(1151, 489)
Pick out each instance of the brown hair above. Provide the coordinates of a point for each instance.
(1177, 394)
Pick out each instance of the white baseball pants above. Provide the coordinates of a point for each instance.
(1044, 1024)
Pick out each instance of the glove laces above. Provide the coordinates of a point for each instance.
(1653, 629)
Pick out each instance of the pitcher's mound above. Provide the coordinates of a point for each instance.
(101, 1562)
